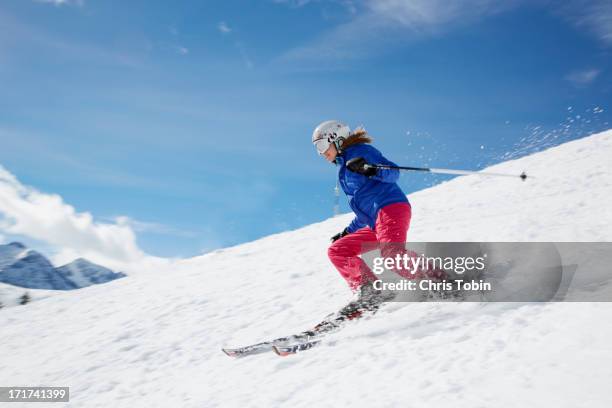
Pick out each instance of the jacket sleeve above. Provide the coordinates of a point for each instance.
(355, 225)
(373, 156)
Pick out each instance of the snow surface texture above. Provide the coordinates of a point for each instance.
(12, 295)
(154, 340)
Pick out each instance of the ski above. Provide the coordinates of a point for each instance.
(307, 339)
(249, 350)
(284, 351)
(268, 346)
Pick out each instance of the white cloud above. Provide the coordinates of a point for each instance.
(382, 22)
(349, 5)
(583, 77)
(372, 26)
(46, 217)
(294, 3)
(79, 3)
(151, 227)
(422, 14)
(224, 28)
(594, 16)
(182, 50)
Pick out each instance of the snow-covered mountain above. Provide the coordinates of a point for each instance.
(82, 273)
(27, 268)
(10, 253)
(33, 270)
(154, 340)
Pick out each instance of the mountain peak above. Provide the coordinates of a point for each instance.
(20, 266)
(18, 245)
(81, 261)
(85, 273)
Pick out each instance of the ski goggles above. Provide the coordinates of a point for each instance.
(322, 145)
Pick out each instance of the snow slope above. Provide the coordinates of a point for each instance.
(11, 295)
(155, 342)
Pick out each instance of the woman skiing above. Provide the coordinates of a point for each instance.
(382, 211)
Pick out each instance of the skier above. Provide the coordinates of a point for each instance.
(382, 211)
(382, 218)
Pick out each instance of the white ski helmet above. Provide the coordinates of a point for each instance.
(328, 132)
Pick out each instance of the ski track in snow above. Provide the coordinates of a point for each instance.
(153, 339)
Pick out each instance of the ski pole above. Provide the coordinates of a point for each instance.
(523, 175)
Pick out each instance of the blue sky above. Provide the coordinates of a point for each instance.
(191, 120)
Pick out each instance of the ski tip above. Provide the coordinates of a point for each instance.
(282, 351)
(230, 352)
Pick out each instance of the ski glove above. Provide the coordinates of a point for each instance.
(339, 235)
(360, 165)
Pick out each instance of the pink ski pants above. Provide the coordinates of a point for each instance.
(389, 234)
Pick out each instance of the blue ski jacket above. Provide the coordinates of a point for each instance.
(367, 195)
